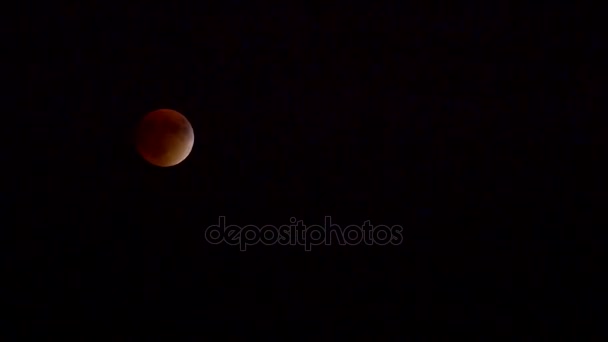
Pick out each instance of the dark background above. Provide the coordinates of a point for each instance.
(467, 126)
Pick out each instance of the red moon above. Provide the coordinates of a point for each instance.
(164, 138)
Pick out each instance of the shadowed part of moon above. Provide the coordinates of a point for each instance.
(164, 138)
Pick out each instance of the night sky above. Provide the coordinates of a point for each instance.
(463, 125)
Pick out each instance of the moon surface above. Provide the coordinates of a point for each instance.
(164, 137)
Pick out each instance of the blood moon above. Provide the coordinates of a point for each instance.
(164, 137)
